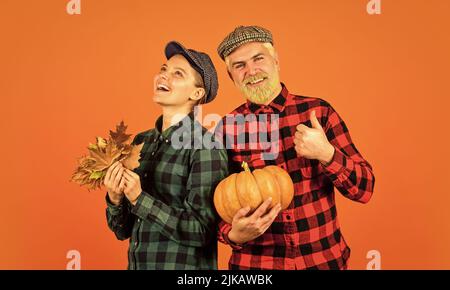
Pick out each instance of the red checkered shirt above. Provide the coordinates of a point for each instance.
(307, 234)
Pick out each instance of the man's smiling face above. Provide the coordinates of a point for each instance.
(254, 68)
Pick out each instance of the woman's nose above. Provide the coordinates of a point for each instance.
(163, 75)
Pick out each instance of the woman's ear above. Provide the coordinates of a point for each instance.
(198, 94)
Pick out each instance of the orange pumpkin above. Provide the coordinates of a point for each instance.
(248, 188)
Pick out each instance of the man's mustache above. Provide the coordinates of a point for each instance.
(255, 77)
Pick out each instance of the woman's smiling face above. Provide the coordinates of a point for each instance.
(176, 83)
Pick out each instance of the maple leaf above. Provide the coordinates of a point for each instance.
(97, 174)
(101, 144)
(126, 149)
(81, 175)
(132, 160)
(119, 136)
(104, 159)
(91, 170)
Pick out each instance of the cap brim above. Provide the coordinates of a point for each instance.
(174, 47)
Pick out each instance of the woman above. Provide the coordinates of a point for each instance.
(165, 206)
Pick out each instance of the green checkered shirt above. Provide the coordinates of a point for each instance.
(173, 224)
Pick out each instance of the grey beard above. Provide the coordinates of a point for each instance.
(259, 95)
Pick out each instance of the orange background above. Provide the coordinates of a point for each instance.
(65, 79)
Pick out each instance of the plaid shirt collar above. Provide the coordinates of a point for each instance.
(277, 105)
(167, 134)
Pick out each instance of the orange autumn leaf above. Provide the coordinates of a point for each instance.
(91, 170)
(132, 160)
(119, 135)
(105, 157)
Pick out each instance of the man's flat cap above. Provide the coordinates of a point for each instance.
(242, 35)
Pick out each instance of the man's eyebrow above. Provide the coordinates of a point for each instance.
(243, 61)
(257, 55)
(237, 62)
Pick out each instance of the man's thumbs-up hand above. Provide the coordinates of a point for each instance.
(312, 143)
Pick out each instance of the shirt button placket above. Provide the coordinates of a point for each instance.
(133, 249)
(290, 228)
(155, 148)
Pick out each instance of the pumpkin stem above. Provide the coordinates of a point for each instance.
(245, 166)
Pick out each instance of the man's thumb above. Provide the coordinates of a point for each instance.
(314, 122)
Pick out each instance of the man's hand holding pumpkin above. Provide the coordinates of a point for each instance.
(244, 229)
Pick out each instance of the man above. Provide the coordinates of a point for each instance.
(312, 144)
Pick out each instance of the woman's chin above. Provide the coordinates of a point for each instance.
(157, 99)
(160, 102)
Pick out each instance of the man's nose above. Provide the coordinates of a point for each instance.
(252, 69)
